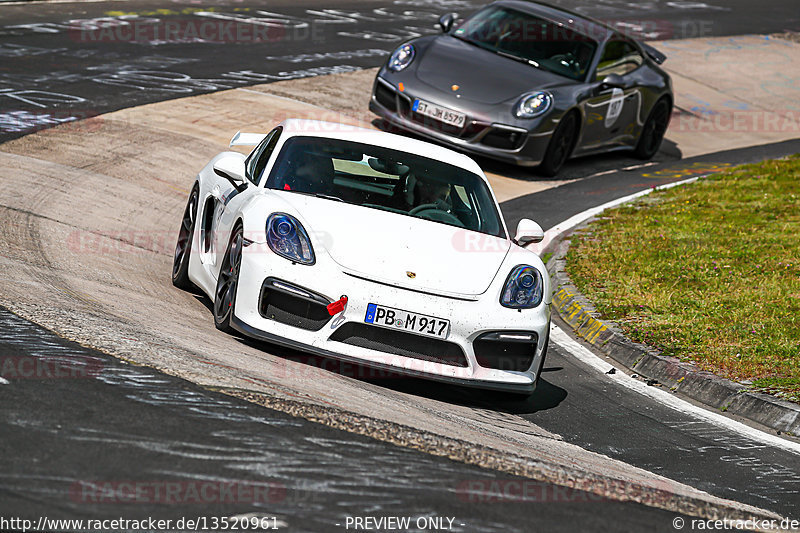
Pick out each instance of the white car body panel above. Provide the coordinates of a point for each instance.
(367, 254)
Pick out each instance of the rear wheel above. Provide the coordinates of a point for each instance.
(653, 131)
(228, 281)
(560, 146)
(183, 248)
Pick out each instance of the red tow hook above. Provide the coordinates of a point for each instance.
(337, 306)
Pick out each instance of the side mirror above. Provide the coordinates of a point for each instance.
(446, 21)
(232, 169)
(528, 232)
(612, 81)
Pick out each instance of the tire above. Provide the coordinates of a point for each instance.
(653, 131)
(228, 281)
(183, 248)
(560, 146)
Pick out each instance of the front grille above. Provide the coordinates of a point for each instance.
(405, 105)
(400, 343)
(385, 97)
(503, 139)
(492, 351)
(291, 309)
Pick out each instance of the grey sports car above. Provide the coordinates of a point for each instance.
(527, 83)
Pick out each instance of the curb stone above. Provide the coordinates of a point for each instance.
(575, 310)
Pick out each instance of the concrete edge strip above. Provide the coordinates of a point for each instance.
(575, 310)
(512, 464)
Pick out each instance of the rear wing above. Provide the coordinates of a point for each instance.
(654, 54)
(247, 139)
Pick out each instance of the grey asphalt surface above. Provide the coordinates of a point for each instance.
(130, 423)
(80, 432)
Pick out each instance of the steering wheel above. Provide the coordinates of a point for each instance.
(568, 60)
(423, 207)
(432, 212)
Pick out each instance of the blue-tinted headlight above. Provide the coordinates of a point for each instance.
(401, 58)
(523, 288)
(287, 238)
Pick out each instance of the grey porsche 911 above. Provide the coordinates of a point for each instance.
(529, 84)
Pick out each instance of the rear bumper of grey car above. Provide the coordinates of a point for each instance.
(503, 142)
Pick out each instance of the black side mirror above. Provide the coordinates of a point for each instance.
(612, 81)
(446, 21)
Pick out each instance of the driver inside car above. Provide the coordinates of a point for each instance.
(434, 193)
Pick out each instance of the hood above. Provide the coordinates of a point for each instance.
(384, 247)
(483, 76)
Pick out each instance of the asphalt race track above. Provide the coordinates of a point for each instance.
(131, 423)
(72, 60)
(128, 424)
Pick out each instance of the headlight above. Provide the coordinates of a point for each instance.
(287, 238)
(523, 288)
(401, 58)
(533, 104)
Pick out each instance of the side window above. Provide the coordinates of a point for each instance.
(257, 160)
(619, 57)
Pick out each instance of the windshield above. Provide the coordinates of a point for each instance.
(530, 39)
(386, 179)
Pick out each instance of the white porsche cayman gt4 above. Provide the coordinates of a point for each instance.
(367, 247)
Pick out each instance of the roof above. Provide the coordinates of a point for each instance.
(334, 130)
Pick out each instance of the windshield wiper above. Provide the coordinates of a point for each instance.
(328, 197)
(530, 62)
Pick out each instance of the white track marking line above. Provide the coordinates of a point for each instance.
(669, 400)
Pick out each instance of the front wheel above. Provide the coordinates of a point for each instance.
(227, 282)
(560, 146)
(653, 131)
(183, 248)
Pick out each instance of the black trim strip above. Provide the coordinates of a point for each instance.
(250, 331)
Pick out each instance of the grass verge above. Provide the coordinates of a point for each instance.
(707, 272)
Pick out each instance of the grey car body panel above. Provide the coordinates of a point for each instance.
(490, 86)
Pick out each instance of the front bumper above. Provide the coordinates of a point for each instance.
(479, 136)
(469, 320)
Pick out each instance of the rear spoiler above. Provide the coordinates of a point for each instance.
(654, 54)
(247, 139)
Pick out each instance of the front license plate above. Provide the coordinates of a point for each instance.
(388, 317)
(440, 113)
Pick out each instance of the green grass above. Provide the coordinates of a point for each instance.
(707, 272)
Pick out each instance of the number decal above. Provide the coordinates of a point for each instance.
(614, 106)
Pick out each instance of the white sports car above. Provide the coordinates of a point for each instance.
(368, 247)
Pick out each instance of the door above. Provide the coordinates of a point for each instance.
(611, 109)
